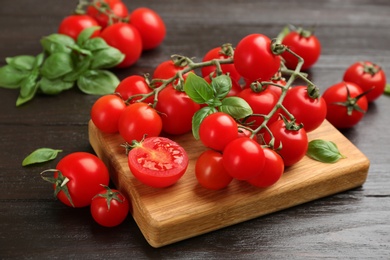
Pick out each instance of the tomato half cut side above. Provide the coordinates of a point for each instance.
(158, 161)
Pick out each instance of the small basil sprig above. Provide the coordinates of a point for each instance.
(324, 151)
(63, 64)
(40, 155)
(214, 96)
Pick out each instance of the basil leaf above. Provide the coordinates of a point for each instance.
(198, 118)
(54, 86)
(57, 43)
(387, 89)
(57, 65)
(98, 82)
(324, 151)
(11, 77)
(95, 44)
(222, 85)
(21, 62)
(106, 58)
(236, 107)
(81, 67)
(86, 34)
(40, 155)
(198, 89)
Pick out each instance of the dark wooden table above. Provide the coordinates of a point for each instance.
(352, 224)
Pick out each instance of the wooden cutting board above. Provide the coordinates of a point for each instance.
(186, 209)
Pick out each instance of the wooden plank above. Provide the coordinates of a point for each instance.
(186, 209)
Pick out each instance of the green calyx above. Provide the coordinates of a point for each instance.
(109, 196)
(313, 91)
(351, 102)
(371, 68)
(291, 124)
(60, 183)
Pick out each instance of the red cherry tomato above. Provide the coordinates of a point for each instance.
(217, 130)
(293, 143)
(176, 110)
(134, 85)
(139, 120)
(166, 70)
(116, 8)
(158, 162)
(369, 77)
(254, 59)
(210, 172)
(272, 171)
(106, 111)
(304, 44)
(243, 158)
(345, 107)
(85, 174)
(73, 25)
(126, 38)
(309, 111)
(109, 208)
(217, 53)
(150, 26)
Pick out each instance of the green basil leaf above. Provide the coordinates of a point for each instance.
(57, 43)
(86, 34)
(387, 89)
(40, 155)
(106, 58)
(10, 77)
(95, 44)
(198, 118)
(324, 151)
(21, 62)
(54, 86)
(198, 89)
(236, 107)
(27, 92)
(222, 85)
(98, 82)
(82, 66)
(57, 65)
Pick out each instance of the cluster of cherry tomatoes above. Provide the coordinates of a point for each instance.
(130, 32)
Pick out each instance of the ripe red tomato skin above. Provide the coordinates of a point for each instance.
(117, 7)
(253, 58)
(72, 25)
(109, 217)
(86, 173)
(355, 74)
(150, 25)
(294, 143)
(176, 110)
(226, 68)
(272, 171)
(138, 120)
(106, 111)
(217, 130)
(243, 158)
(306, 110)
(337, 115)
(210, 172)
(126, 38)
(160, 149)
(133, 85)
(309, 48)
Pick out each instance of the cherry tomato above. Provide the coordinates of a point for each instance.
(304, 44)
(158, 162)
(109, 207)
(116, 8)
(126, 38)
(217, 53)
(243, 158)
(277, 90)
(293, 143)
(150, 25)
(261, 103)
(217, 130)
(346, 104)
(138, 120)
(134, 85)
(254, 59)
(310, 111)
(82, 174)
(210, 172)
(176, 110)
(168, 69)
(272, 171)
(72, 25)
(369, 77)
(106, 111)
